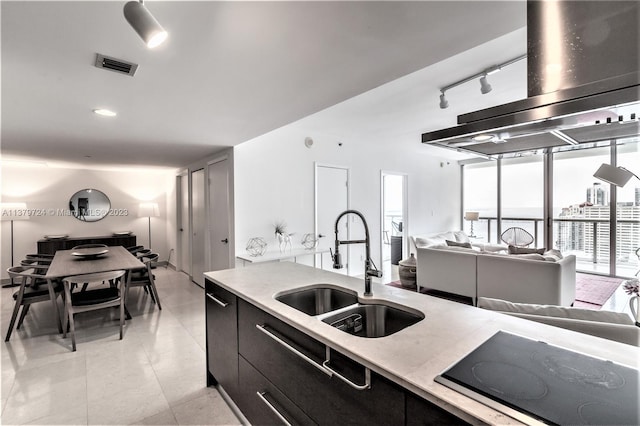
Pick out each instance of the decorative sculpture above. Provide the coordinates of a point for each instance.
(309, 241)
(256, 246)
(284, 238)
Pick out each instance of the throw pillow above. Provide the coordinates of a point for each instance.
(554, 311)
(461, 237)
(457, 244)
(525, 250)
(421, 242)
(553, 252)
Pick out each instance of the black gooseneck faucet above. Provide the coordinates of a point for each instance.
(369, 267)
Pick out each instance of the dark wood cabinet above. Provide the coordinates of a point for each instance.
(222, 338)
(262, 403)
(51, 246)
(422, 412)
(266, 343)
(275, 374)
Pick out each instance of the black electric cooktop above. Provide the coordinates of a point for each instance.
(546, 383)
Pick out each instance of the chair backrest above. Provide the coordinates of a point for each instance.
(81, 246)
(24, 273)
(36, 261)
(134, 249)
(517, 237)
(98, 277)
(39, 256)
(38, 265)
(149, 258)
(142, 253)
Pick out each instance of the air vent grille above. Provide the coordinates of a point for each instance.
(115, 65)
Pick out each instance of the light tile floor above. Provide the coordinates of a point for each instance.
(155, 375)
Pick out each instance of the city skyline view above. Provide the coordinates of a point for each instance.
(576, 195)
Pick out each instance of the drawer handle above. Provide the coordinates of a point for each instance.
(293, 350)
(272, 408)
(218, 301)
(367, 377)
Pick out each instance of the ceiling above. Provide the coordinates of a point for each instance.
(229, 72)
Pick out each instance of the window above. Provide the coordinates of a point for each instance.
(583, 210)
(480, 195)
(523, 195)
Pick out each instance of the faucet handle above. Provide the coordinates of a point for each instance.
(374, 273)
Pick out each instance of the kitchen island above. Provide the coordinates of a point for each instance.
(410, 358)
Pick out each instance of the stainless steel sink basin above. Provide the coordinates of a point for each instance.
(318, 300)
(373, 320)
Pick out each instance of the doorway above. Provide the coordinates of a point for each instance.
(183, 261)
(394, 241)
(219, 214)
(198, 222)
(332, 198)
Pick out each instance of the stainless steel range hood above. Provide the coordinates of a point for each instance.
(583, 84)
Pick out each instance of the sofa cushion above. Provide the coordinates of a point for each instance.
(465, 249)
(525, 250)
(552, 255)
(554, 311)
(458, 244)
(434, 240)
(461, 237)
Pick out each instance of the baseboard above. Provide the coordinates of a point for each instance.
(164, 263)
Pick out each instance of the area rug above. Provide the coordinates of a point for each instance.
(592, 291)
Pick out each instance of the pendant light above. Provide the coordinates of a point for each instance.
(143, 22)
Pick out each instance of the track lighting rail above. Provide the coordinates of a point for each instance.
(482, 75)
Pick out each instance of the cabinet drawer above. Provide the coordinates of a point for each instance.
(222, 337)
(262, 403)
(327, 400)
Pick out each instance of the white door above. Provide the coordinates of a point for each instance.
(219, 216)
(332, 198)
(198, 222)
(184, 228)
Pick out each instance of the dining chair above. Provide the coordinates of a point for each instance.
(93, 299)
(30, 291)
(145, 278)
(142, 253)
(83, 246)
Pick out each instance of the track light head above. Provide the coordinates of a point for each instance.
(485, 87)
(143, 22)
(444, 103)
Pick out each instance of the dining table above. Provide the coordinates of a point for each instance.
(67, 263)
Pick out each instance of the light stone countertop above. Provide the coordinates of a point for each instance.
(412, 357)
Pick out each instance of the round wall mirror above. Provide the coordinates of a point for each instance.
(89, 205)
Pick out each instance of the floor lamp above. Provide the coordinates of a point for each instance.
(618, 176)
(11, 212)
(149, 210)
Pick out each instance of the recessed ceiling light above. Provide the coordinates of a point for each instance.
(104, 112)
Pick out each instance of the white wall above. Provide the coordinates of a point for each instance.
(46, 188)
(274, 178)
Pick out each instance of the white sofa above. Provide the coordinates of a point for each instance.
(609, 325)
(474, 273)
